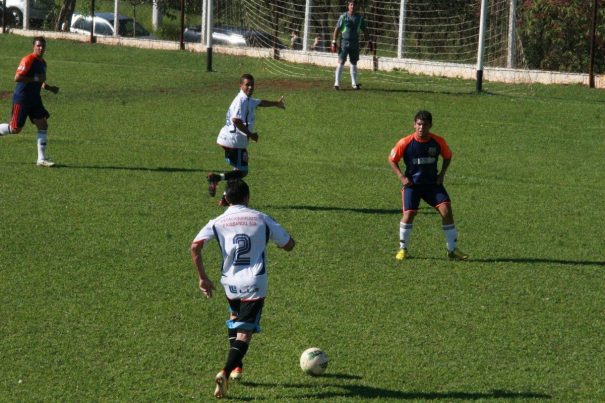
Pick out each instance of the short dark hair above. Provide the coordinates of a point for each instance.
(246, 76)
(40, 39)
(424, 115)
(237, 191)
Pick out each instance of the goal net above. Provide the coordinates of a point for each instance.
(418, 42)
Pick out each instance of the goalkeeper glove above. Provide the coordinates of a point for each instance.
(333, 48)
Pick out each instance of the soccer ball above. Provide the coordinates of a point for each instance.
(314, 361)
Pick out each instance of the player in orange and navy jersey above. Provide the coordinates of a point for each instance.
(422, 179)
(27, 102)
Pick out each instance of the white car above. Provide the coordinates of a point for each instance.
(103, 26)
(38, 11)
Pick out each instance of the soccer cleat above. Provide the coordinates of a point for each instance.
(223, 202)
(213, 180)
(336, 88)
(457, 254)
(222, 383)
(357, 87)
(236, 374)
(45, 163)
(402, 254)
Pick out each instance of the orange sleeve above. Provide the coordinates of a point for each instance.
(446, 153)
(397, 151)
(25, 65)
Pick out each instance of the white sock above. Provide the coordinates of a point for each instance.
(451, 236)
(405, 232)
(4, 129)
(41, 145)
(354, 75)
(338, 74)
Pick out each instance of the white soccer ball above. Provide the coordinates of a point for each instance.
(314, 361)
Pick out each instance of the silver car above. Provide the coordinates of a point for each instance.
(103, 25)
(39, 10)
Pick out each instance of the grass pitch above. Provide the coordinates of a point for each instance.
(99, 299)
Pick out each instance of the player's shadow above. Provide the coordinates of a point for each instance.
(369, 392)
(362, 210)
(530, 260)
(122, 168)
(328, 208)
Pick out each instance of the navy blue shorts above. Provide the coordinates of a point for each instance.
(237, 158)
(247, 314)
(21, 111)
(434, 195)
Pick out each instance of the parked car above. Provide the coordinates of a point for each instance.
(233, 36)
(38, 11)
(103, 25)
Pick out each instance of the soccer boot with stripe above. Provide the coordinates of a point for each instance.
(457, 254)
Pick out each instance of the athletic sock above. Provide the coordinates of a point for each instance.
(354, 75)
(232, 175)
(232, 334)
(451, 236)
(236, 355)
(5, 129)
(41, 145)
(405, 232)
(338, 74)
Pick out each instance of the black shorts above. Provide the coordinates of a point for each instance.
(247, 314)
(237, 158)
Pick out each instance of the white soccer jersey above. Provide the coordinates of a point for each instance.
(243, 107)
(243, 234)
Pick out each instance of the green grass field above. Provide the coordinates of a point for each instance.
(99, 299)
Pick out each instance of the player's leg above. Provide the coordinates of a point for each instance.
(42, 139)
(18, 119)
(410, 199)
(339, 67)
(441, 201)
(238, 159)
(342, 58)
(245, 319)
(353, 59)
(236, 374)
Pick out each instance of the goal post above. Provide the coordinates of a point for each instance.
(455, 38)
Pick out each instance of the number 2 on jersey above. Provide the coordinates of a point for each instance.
(242, 248)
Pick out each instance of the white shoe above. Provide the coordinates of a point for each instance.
(45, 163)
(222, 383)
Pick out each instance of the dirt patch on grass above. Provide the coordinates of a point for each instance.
(6, 95)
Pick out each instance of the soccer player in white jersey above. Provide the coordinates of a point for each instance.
(242, 234)
(238, 131)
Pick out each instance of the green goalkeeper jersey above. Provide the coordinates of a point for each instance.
(350, 26)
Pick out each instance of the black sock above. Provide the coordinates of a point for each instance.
(232, 336)
(236, 354)
(234, 175)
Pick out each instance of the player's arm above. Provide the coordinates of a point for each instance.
(205, 283)
(50, 88)
(402, 178)
(241, 126)
(444, 165)
(334, 45)
(279, 103)
(289, 245)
